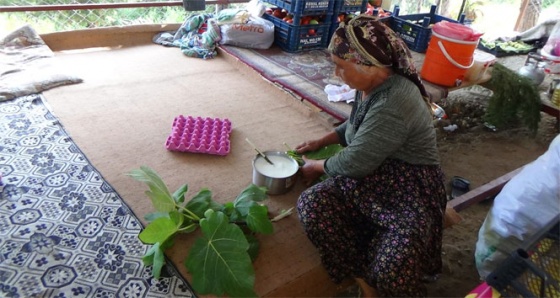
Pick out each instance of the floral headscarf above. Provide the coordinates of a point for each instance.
(366, 40)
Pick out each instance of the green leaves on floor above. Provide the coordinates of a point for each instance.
(220, 260)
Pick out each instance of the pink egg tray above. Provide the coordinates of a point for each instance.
(200, 135)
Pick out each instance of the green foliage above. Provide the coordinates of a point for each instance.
(510, 46)
(551, 5)
(56, 21)
(222, 253)
(514, 98)
(473, 9)
(220, 260)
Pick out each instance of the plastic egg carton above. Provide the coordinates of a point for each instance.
(200, 135)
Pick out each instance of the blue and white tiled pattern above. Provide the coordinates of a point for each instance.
(64, 231)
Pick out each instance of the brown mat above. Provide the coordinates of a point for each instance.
(122, 113)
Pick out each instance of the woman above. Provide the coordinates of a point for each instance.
(379, 216)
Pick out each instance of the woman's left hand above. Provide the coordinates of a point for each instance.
(312, 170)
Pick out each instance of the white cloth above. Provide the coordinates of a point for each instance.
(340, 93)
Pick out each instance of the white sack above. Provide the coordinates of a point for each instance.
(529, 201)
(257, 33)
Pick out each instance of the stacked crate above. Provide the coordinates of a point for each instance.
(300, 25)
(346, 9)
(416, 29)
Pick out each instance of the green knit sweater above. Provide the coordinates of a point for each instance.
(393, 122)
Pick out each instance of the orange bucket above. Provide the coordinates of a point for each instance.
(447, 60)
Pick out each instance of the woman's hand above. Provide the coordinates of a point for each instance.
(312, 170)
(314, 145)
(309, 146)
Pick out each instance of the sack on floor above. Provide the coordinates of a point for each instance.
(257, 33)
(526, 204)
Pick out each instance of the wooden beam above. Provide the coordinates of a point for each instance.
(482, 193)
(57, 7)
(550, 109)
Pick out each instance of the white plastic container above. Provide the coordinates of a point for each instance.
(482, 61)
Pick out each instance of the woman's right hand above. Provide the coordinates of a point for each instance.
(314, 145)
(309, 146)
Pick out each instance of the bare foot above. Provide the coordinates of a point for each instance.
(451, 217)
(367, 290)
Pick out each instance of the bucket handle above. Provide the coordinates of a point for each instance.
(446, 54)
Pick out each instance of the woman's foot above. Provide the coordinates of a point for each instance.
(367, 290)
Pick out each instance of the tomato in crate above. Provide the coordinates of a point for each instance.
(312, 32)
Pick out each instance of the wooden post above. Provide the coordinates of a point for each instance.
(522, 10)
(461, 11)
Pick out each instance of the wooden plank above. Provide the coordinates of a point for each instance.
(550, 109)
(483, 192)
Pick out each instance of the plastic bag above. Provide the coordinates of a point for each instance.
(525, 205)
(232, 16)
(257, 33)
(551, 49)
(256, 8)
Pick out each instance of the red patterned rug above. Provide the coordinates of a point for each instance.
(304, 74)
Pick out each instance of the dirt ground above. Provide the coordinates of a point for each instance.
(480, 155)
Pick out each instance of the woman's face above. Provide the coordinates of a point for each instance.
(351, 75)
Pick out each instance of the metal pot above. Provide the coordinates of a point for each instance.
(278, 178)
(533, 68)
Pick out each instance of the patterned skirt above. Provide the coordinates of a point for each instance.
(386, 228)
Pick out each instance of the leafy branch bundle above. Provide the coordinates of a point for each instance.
(514, 97)
(220, 260)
